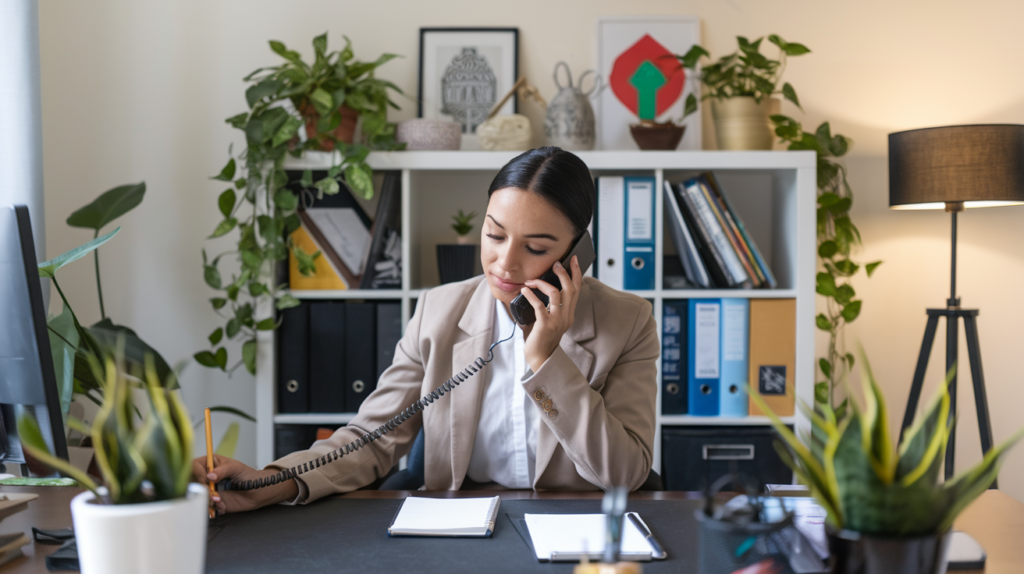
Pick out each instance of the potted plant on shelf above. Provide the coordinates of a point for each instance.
(740, 87)
(458, 262)
(886, 510)
(295, 107)
(147, 516)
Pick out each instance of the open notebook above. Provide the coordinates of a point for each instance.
(560, 537)
(445, 517)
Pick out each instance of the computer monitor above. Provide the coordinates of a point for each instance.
(27, 380)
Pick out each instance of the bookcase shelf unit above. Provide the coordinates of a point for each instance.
(774, 192)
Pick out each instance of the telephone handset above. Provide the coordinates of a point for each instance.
(583, 248)
(522, 312)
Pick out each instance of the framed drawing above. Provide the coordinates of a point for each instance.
(636, 55)
(463, 73)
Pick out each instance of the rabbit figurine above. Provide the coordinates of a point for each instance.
(569, 123)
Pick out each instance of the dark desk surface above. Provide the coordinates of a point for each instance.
(238, 541)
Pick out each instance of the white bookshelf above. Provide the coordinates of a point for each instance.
(774, 193)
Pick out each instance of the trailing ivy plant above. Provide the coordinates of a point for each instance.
(837, 236)
(259, 207)
(744, 73)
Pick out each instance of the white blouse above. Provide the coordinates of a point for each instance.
(505, 450)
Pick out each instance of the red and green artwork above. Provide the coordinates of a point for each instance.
(647, 78)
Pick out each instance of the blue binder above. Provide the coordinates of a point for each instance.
(638, 234)
(735, 352)
(703, 357)
(673, 361)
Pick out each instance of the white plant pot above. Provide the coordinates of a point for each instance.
(151, 538)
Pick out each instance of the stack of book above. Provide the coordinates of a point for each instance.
(713, 244)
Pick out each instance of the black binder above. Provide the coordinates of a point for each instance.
(292, 438)
(674, 394)
(389, 331)
(360, 363)
(293, 360)
(327, 357)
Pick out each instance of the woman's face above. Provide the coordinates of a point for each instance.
(521, 238)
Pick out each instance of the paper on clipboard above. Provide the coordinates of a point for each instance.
(566, 537)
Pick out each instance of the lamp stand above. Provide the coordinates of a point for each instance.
(953, 313)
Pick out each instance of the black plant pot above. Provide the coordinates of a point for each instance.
(854, 553)
(456, 262)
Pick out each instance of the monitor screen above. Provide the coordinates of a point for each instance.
(27, 379)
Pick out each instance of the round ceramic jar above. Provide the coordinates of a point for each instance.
(421, 134)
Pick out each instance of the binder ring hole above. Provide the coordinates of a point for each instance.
(292, 386)
(672, 389)
(638, 263)
(611, 263)
(733, 389)
(358, 386)
(705, 389)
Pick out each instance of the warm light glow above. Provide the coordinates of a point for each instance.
(942, 205)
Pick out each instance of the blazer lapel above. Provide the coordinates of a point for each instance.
(478, 325)
(582, 330)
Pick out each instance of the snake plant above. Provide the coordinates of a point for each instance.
(142, 461)
(868, 486)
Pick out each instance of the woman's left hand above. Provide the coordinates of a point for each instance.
(553, 321)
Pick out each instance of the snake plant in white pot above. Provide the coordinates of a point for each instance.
(887, 510)
(146, 517)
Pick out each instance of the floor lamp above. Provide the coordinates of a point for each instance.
(954, 168)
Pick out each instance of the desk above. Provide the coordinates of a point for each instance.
(995, 519)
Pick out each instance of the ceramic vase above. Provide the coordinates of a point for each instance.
(741, 123)
(165, 537)
(569, 122)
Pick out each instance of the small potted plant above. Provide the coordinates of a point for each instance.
(740, 86)
(146, 516)
(884, 504)
(458, 262)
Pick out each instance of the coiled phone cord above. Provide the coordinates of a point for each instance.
(448, 386)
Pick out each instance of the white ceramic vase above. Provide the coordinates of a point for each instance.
(153, 538)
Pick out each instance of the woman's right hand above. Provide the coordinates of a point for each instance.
(241, 500)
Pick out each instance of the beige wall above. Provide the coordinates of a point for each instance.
(139, 90)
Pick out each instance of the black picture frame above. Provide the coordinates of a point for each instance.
(503, 38)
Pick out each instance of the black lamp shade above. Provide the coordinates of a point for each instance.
(981, 166)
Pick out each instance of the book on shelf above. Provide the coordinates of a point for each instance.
(383, 269)
(751, 246)
(722, 221)
(693, 266)
(711, 254)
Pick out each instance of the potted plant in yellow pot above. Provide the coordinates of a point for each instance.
(887, 511)
(740, 87)
(146, 516)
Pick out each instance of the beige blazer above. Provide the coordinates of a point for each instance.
(597, 430)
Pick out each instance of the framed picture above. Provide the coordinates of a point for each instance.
(463, 74)
(635, 55)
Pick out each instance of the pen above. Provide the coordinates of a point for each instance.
(209, 461)
(659, 552)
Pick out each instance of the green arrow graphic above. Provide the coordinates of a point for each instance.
(647, 80)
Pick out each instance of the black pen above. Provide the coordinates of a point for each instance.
(659, 552)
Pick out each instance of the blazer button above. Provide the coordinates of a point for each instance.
(538, 394)
(547, 405)
(552, 414)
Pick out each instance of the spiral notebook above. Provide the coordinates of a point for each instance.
(446, 517)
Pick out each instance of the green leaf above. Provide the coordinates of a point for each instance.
(826, 285)
(692, 56)
(827, 249)
(825, 366)
(238, 121)
(233, 411)
(321, 101)
(218, 302)
(267, 324)
(328, 186)
(821, 392)
(224, 227)
(822, 322)
(844, 293)
(48, 268)
(267, 88)
(870, 267)
(32, 439)
(249, 355)
(320, 44)
(847, 267)
(108, 207)
(216, 336)
(360, 178)
(206, 359)
(221, 356)
(212, 276)
(62, 331)
(790, 94)
(286, 301)
(849, 360)
(228, 173)
(827, 199)
(839, 145)
(233, 327)
(229, 442)
(794, 49)
(287, 131)
(111, 336)
(851, 311)
(691, 105)
(286, 200)
(226, 202)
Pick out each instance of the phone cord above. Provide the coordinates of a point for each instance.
(448, 386)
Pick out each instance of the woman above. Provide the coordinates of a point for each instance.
(567, 403)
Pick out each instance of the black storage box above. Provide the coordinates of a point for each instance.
(694, 457)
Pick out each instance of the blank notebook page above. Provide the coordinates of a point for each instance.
(446, 517)
(572, 534)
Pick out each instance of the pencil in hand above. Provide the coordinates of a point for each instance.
(209, 462)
